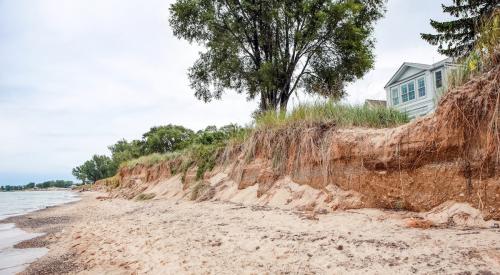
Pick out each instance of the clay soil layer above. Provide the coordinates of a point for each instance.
(168, 236)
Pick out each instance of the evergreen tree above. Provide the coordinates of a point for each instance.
(456, 38)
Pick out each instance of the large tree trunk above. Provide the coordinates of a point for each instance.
(263, 102)
(284, 102)
(284, 96)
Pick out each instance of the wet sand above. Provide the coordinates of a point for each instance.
(40, 228)
(13, 260)
(95, 236)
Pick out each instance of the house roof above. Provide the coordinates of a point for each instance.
(375, 103)
(420, 66)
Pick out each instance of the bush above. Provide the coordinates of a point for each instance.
(205, 157)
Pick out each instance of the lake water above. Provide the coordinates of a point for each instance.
(18, 203)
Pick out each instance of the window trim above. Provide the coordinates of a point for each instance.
(403, 94)
(414, 91)
(418, 87)
(440, 71)
(407, 87)
(397, 97)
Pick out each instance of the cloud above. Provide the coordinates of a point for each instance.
(79, 75)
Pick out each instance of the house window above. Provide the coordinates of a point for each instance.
(411, 90)
(408, 91)
(421, 87)
(439, 79)
(404, 93)
(395, 96)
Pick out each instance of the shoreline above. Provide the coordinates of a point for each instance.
(165, 236)
(40, 189)
(34, 245)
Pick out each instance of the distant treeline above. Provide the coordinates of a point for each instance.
(32, 185)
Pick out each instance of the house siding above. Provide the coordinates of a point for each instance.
(419, 106)
(410, 72)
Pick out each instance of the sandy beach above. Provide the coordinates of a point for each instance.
(165, 236)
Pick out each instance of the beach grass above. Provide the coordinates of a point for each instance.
(335, 114)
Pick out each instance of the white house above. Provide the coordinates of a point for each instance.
(415, 87)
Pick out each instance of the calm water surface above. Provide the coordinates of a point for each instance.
(18, 203)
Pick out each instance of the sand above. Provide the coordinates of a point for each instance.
(168, 236)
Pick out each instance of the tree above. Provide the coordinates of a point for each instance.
(271, 48)
(80, 173)
(99, 167)
(457, 38)
(214, 135)
(123, 150)
(168, 138)
(30, 185)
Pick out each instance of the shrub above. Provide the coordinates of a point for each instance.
(205, 157)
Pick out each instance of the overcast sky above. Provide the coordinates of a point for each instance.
(78, 75)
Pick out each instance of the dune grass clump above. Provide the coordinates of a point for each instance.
(152, 159)
(145, 196)
(111, 182)
(334, 114)
(197, 189)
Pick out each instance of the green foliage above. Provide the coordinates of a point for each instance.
(9, 188)
(52, 183)
(212, 135)
(43, 185)
(205, 157)
(123, 150)
(150, 160)
(31, 185)
(203, 150)
(457, 38)
(271, 48)
(480, 58)
(206, 146)
(158, 144)
(334, 114)
(165, 139)
(99, 167)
